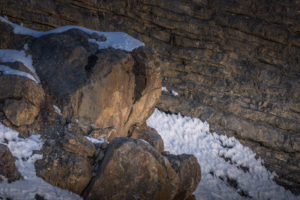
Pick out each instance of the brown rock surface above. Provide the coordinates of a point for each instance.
(20, 112)
(189, 172)
(234, 64)
(17, 87)
(109, 87)
(150, 135)
(7, 165)
(66, 161)
(132, 169)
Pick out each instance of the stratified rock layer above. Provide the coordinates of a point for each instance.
(234, 64)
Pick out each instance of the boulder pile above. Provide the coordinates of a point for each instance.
(90, 105)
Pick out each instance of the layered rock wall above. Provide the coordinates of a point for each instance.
(235, 64)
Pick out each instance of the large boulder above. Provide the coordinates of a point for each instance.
(7, 165)
(22, 98)
(133, 169)
(17, 87)
(108, 87)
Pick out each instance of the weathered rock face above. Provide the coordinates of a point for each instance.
(7, 165)
(106, 87)
(233, 63)
(66, 161)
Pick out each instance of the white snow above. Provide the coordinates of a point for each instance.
(9, 71)
(192, 136)
(11, 55)
(174, 93)
(164, 89)
(29, 185)
(57, 110)
(117, 40)
(95, 141)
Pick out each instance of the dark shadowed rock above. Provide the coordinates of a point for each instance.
(189, 172)
(132, 169)
(7, 165)
(150, 135)
(66, 161)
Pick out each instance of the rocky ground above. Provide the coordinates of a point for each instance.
(234, 64)
(64, 90)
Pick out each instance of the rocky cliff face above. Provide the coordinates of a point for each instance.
(235, 64)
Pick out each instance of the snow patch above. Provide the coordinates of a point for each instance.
(96, 141)
(25, 47)
(9, 71)
(174, 93)
(220, 157)
(117, 40)
(164, 89)
(10, 55)
(57, 110)
(29, 185)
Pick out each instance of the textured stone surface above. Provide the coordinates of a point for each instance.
(189, 172)
(233, 63)
(149, 135)
(109, 87)
(17, 87)
(132, 169)
(20, 112)
(7, 165)
(66, 161)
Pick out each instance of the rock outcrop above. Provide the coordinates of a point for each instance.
(234, 64)
(106, 87)
(76, 95)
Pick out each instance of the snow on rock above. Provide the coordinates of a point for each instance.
(174, 93)
(96, 141)
(229, 169)
(117, 40)
(11, 55)
(9, 71)
(164, 89)
(57, 110)
(29, 185)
